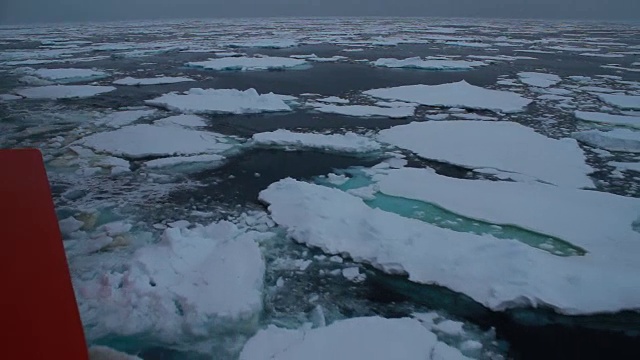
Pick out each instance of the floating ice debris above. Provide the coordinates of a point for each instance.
(215, 101)
(505, 146)
(9, 97)
(500, 57)
(68, 75)
(622, 120)
(327, 59)
(498, 273)
(406, 110)
(539, 79)
(357, 338)
(428, 64)
(249, 63)
(122, 118)
(603, 55)
(265, 43)
(468, 44)
(181, 287)
(626, 166)
(151, 81)
(459, 94)
(63, 91)
(348, 142)
(213, 159)
(626, 140)
(622, 101)
(333, 100)
(99, 352)
(185, 120)
(139, 141)
(572, 48)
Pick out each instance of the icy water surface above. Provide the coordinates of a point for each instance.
(115, 203)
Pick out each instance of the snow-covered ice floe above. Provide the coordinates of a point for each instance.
(371, 338)
(349, 142)
(264, 43)
(625, 166)
(69, 74)
(621, 120)
(539, 79)
(622, 101)
(428, 64)
(505, 146)
(184, 120)
(459, 94)
(398, 111)
(151, 81)
(212, 159)
(63, 91)
(626, 140)
(140, 141)
(191, 283)
(500, 274)
(215, 101)
(249, 63)
(122, 118)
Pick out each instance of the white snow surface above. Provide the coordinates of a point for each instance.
(622, 120)
(622, 101)
(394, 112)
(63, 91)
(68, 75)
(214, 101)
(244, 63)
(539, 79)
(183, 286)
(139, 141)
(185, 120)
(371, 338)
(504, 146)
(625, 140)
(459, 94)
(151, 81)
(428, 64)
(498, 273)
(349, 142)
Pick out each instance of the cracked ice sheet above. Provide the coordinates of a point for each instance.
(187, 284)
(621, 101)
(428, 64)
(459, 94)
(139, 141)
(539, 79)
(151, 81)
(498, 273)
(504, 146)
(248, 63)
(216, 101)
(604, 118)
(349, 142)
(63, 91)
(626, 140)
(371, 338)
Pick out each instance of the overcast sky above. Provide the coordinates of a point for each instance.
(17, 11)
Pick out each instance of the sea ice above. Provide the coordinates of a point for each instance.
(348, 142)
(333, 100)
(63, 91)
(139, 141)
(539, 79)
(249, 63)
(428, 64)
(630, 121)
(213, 159)
(151, 81)
(264, 43)
(215, 101)
(372, 338)
(122, 118)
(626, 166)
(622, 101)
(459, 94)
(395, 112)
(505, 146)
(68, 75)
(185, 120)
(626, 140)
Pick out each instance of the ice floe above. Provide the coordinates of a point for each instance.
(539, 79)
(151, 81)
(626, 166)
(498, 273)
(184, 286)
(333, 100)
(459, 94)
(249, 63)
(626, 140)
(622, 120)
(212, 159)
(622, 101)
(397, 111)
(428, 64)
(349, 142)
(264, 43)
(185, 120)
(68, 74)
(122, 118)
(357, 338)
(63, 91)
(140, 141)
(215, 101)
(504, 146)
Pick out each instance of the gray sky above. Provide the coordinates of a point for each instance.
(17, 11)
